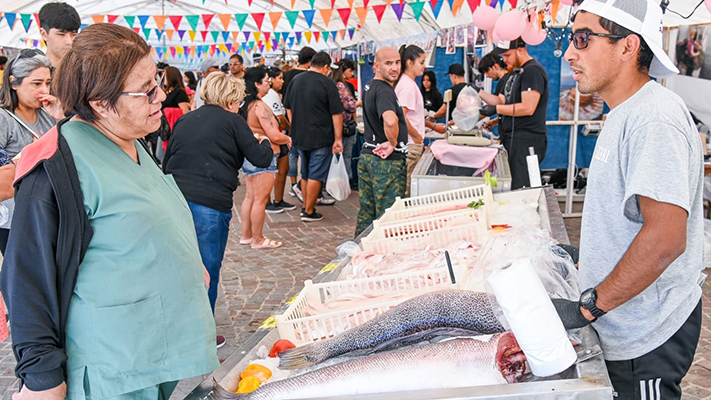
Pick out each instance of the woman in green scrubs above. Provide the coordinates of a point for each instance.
(133, 317)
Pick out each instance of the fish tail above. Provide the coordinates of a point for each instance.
(220, 393)
(303, 356)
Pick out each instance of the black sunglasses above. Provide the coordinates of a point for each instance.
(25, 53)
(581, 39)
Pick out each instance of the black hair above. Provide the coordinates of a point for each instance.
(645, 55)
(320, 59)
(433, 81)
(237, 56)
(489, 60)
(192, 81)
(60, 16)
(273, 72)
(409, 53)
(345, 63)
(252, 76)
(3, 60)
(306, 54)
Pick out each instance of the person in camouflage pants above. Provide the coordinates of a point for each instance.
(382, 169)
(380, 183)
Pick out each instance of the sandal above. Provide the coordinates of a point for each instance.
(266, 244)
(245, 241)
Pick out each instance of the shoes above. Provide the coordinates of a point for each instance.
(220, 341)
(303, 211)
(297, 191)
(292, 193)
(314, 216)
(273, 208)
(266, 244)
(325, 201)
(245, 241)
(284, 205)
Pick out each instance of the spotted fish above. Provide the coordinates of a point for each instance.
(458, 310)
(454, 363)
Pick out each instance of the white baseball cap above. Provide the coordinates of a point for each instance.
(643, 17)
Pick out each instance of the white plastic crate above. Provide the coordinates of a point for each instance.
(298, 327)
(420, 205)
(418, 240)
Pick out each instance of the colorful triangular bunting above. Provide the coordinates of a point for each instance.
(309, 16)
(345, 13)
(258, 19)
(326, 15)
(275, 17)
(379, 11)
(193, 21)
(225, 19)
(97, 18)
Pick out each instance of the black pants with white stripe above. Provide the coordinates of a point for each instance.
(657, 375)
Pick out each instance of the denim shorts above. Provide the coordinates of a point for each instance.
(315, 164)
(250, 170)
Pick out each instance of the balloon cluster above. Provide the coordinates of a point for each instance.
(512, 24)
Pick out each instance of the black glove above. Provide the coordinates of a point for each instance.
(487, 111)
(569, 312)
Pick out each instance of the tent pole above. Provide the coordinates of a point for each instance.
(572, 153)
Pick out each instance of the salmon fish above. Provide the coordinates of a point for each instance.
(459, 310)
(461, 362)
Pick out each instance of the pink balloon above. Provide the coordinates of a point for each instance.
(485, 17)
(570, 2)
(496, 39)
(510, 25)
(708, 4)
(533, 35)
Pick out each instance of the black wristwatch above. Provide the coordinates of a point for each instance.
(587, 301)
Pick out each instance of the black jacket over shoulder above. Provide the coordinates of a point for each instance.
(48, 240)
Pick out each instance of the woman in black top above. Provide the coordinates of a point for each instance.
(430, 94)
(207, 149)
(175, 91)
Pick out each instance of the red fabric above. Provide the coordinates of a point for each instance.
(40, 150)
(171, 114)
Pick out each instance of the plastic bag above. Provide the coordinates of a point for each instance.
(337, 184)
(466, 115)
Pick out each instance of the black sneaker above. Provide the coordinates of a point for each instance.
(284, 205)
(314, 216)
(303, 211)
(273, 208)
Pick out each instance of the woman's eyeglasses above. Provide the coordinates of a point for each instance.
(25, 53)
(581, 39)
(151, 94)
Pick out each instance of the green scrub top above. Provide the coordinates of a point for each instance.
(140, 315)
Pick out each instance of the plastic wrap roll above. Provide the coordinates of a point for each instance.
(532, 317)
(534, 171)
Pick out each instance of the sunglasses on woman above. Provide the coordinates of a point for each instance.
(25, 53)
(151, 94)
(581, 39)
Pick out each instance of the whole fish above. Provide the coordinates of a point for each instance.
(454, 363)
(451, 309)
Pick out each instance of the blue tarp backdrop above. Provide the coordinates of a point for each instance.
(558, 136)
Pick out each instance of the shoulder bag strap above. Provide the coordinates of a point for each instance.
(22, 123)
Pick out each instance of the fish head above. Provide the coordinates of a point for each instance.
(510, 359)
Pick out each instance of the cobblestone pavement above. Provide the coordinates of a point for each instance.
(257, 282)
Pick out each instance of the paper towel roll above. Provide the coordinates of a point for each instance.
(534, 171)
(532, 317)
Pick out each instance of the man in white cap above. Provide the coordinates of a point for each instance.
(641, 254)
(207, 66)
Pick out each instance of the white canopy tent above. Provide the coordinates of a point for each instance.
(691, 89)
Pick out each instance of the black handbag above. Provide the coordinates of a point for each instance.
(350, 128)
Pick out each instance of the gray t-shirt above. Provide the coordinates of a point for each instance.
(13, 138)
(648, 147)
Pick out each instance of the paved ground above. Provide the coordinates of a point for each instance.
(255, 283)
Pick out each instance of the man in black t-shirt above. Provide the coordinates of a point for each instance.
(526, 102)
(494, 67)
(456, 75)
(314, 108)
(382, 172)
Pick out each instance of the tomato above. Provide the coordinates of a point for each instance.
(280, 346)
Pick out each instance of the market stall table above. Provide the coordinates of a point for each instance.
(586, 380)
